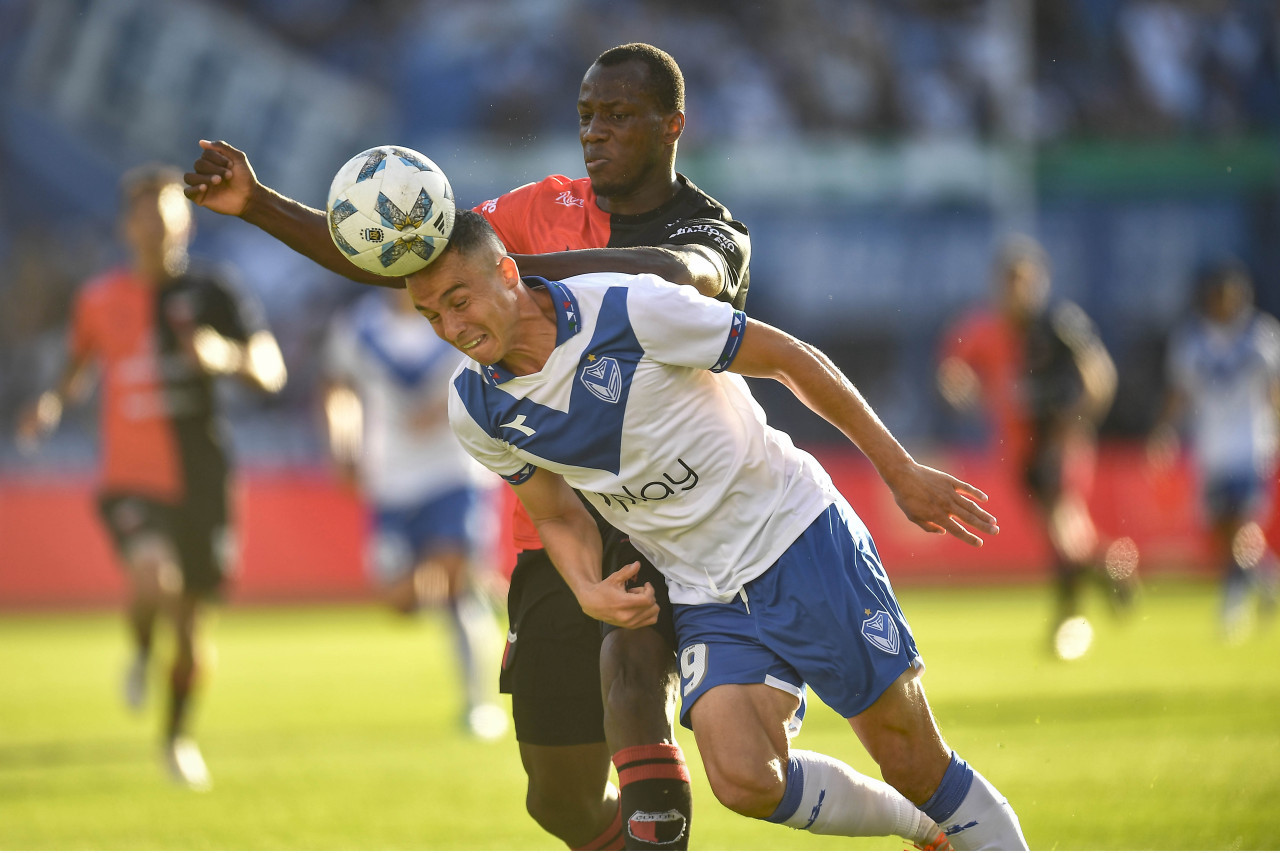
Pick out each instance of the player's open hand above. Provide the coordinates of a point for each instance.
(936, 502)
(611, 601)
(221, 179)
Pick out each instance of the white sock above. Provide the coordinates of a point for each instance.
(475, 631)
(974, 814)
(828, 797)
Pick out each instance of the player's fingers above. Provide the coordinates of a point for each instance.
(625, 574)
(218, 153)
(972, 514)
(968, 490)
(962, 533)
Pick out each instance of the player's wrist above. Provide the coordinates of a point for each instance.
(49, 409)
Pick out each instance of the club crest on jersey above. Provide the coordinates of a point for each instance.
(881, 632)
(603, 378)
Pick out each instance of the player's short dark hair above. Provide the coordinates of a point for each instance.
(472, 232)
(1217, 274)
(665, 82)
(147, 178)
(1019, 249)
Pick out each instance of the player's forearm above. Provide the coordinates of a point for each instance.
(815, 380)
(679, 265)
(573, 544)
(305, 230)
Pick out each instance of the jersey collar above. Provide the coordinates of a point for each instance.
(568, 323)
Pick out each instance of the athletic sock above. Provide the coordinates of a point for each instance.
(828, 797)
(610, 839)
(656, 802)
(181, 684)
(974, 814)
(475, 632)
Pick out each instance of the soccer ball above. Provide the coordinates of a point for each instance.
(390, 210)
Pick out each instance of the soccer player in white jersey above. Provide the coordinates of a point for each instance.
(431, 513)
(1224, 373)
(613, 385)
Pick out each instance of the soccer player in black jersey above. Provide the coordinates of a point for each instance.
(161, 329)
(635, 214)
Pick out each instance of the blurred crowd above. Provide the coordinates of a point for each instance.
(885, 68)
(1202, 71)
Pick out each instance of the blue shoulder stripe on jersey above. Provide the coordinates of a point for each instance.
(408, 370)
(589, 434)
(568, 321)
(736, 329)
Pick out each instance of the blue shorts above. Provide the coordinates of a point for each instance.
(1244, 495)
(401, 536)
(824, 614)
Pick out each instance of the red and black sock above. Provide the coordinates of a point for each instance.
(657, 805)
(610, 839)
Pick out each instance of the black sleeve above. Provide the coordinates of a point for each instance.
(228, 310)
(729, 246)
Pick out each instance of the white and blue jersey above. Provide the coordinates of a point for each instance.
(632, 409)
(1227, 374)
(401, 371)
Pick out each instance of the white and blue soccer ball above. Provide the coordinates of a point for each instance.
(390, 210)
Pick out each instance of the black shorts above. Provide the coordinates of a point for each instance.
(198, 529)
(551, 666)
(619, 552)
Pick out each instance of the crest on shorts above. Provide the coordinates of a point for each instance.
(881, 632)
(603, 378)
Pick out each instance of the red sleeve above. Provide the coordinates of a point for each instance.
(81, 342)
(554, 214)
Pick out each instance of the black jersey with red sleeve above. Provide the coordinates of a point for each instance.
(559, 214)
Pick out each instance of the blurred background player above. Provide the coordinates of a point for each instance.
(1047, 382)
(633, 213)
(161, 329)
(1224, 381)
(430, 506)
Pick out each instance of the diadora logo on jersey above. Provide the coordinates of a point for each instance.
(517, 423)
(568, 199)
(717, 236)
(603, 378)
(656, 490)
(881, 632)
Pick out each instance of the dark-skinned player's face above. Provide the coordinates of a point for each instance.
(625, 136)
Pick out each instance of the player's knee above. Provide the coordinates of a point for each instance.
(749, 792)
(914, 770)
(560, 811)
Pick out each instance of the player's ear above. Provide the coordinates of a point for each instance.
(675, 127)
(509, 271)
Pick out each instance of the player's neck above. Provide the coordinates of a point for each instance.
(536, 336)
(642, 199)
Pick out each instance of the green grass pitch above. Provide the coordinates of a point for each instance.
(337, 728)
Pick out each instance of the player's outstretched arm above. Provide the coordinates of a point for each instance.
(933, 500)
(572, 541)
(222, 180)
(689, 264)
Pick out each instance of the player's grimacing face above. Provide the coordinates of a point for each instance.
(622, 130)
(467, 302)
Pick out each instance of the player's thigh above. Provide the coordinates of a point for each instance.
(142, 532)
(741, 732)
(551, 665)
